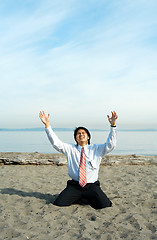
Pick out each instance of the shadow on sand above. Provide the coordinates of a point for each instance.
(47, 197)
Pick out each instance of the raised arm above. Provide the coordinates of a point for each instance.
(110, 144)
(53, 138)
(112, 119)
(45, 119)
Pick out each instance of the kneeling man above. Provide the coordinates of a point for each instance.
(83, 164)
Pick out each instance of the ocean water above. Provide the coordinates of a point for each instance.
(128, 142)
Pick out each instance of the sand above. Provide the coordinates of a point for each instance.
(27, 193)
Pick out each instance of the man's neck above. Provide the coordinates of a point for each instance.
(82, 144)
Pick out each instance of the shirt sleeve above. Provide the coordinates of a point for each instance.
(109, 145)
(56, 142)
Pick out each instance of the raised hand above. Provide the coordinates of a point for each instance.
(45, 119)
(113, 118)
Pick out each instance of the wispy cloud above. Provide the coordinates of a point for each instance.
(78, 60)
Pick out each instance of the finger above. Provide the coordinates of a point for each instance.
(115, 114)
(40, 114)
(109, 119)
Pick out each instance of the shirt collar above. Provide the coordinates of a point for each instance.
(80, 148)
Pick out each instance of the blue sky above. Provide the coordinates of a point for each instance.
(78, 60)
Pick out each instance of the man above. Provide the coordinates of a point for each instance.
(83, 164)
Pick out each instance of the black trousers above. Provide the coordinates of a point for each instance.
(91, 194)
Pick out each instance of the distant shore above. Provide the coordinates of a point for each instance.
(71, 129)
(25, 158)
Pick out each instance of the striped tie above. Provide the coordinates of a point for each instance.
(82, 170)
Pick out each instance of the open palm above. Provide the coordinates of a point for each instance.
(45, 119)
(113, 118)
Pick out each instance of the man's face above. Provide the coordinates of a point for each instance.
(82, 137)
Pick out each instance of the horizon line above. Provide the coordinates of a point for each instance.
(71, 129)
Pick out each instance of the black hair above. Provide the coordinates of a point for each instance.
(85, 129)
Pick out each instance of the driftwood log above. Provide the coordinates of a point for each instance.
(25, 158)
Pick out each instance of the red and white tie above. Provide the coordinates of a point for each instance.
(82, 170)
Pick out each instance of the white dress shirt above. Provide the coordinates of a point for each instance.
(93, 153)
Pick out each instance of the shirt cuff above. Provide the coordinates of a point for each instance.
(47, 129)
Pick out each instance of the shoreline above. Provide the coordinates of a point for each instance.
(36, 158)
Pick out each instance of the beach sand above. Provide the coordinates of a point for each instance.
(27, 193)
